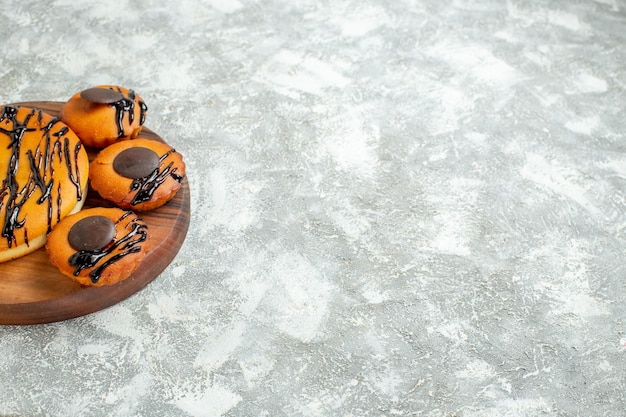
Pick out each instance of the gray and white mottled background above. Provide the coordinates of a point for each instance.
(400, 208)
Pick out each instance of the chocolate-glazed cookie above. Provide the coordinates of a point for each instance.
(139, 174)
(105, 114)
(98, 246)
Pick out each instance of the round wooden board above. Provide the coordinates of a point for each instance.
(32, 291)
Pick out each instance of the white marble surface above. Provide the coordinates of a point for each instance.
(399, 208)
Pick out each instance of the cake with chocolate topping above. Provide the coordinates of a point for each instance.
(98, 246)
(139, 174)
(105, 114)
(45, 169)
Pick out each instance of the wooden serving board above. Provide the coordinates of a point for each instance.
(33, 291)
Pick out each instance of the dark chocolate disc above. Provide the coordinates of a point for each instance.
(101, 95)
(137, 162)
(92, 233)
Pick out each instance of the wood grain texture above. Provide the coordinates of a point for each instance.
(33, 291)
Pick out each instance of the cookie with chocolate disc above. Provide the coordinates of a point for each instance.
(105, 114)
(139, 174)
(98, 246)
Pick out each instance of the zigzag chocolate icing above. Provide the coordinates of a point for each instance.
(54, 148)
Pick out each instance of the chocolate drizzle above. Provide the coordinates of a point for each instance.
(146, 186)
(119, 248)
(143, 109)
(54, 144)
(125, 107)
(73, 176)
